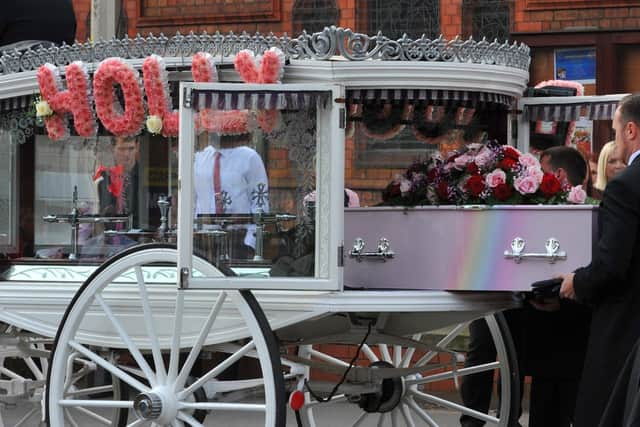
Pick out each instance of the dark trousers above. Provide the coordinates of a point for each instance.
(476, 389)
(552, 402)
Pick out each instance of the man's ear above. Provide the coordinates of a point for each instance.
(632, 128)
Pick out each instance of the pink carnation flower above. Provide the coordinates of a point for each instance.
(461, 162)
(535, 173)
(405, 185)
(495, 178)
(577, 195)
(484, 157)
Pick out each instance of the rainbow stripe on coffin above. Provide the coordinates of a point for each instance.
(463, 248)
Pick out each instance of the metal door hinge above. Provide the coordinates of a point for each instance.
(186, 103)
(340, 256)
(343, 118)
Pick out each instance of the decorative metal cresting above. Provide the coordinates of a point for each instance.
(552, 251)
(382, 253)
(322, 45)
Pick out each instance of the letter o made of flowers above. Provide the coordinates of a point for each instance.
(111, 72)
(75, 100)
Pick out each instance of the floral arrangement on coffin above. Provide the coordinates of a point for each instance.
(484, 174)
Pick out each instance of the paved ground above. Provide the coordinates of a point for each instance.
(339, 415)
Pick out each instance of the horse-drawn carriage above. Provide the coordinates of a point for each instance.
(173, 335)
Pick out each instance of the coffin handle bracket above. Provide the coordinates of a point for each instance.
(382, 253)
(552, 251)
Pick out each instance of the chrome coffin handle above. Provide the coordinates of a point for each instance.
(383, 252)
(551, 245)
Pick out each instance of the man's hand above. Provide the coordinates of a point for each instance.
(566, 289)
(547, 304)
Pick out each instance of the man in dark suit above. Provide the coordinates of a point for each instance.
(611, 283)
(119, 193)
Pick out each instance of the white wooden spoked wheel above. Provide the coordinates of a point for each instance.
(28, 364)
(414, 399)
(123, 308)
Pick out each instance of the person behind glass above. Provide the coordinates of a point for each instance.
(556, 332)
(118, 185)
(611, 282)
(610, 162)
(230, 177)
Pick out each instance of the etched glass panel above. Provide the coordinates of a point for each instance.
(8, 191)
(397, 17)
(487, 18)
(314, 15)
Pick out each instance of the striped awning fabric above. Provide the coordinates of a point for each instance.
(570, 112)
(256, 100)
(16, 103)
(360, 96)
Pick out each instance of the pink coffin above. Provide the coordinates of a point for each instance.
(463, 247)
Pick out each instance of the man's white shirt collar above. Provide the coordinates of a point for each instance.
(633, 157)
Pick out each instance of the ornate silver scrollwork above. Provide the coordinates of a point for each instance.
(318, 46)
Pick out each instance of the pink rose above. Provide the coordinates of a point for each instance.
(405, 185)
(577, 195)
(495, 178)
(526, 185)
(534, 173)
(484, 157)
(529, 161)
(460, 162)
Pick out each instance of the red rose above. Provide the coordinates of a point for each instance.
(550, 185)
(443, 190)
(510, 153)
(475, 185)
(502, 192)
(507, 164)
(473, 169)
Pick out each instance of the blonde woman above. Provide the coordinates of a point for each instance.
(610, 162)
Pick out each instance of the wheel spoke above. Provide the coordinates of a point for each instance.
(10, 374)
(384, 352)
(408, 419)
(109, 367)
(175, 343)
(197, 346)
(454, 406)
(421, 413)
(397, 355)
(33, 368)
(91, 414)
(24, 419)
(69, 418)
(369, 353)
(136, 423)
(442, 343)
(395, 417)
(133, 348)
(329, 359)
(450, 374)
(406, 360)
(360, 419)
(381, 419)
(158, 361)
(189, 419)
(126, 404)
(224, 406)
(217, 370)
(89, 391)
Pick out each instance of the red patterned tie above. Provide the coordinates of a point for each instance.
(217, 187)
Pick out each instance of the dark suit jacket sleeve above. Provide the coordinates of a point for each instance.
(619, 220)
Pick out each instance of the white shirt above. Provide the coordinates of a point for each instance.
(243, 182)
(633, 156)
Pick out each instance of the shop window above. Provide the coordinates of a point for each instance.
(314, 15)
(397, 17)
(487, 18)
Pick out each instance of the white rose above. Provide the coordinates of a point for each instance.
(43, 109)
(154, 124)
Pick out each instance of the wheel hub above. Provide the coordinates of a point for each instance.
(387, 397)
(148, 406)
